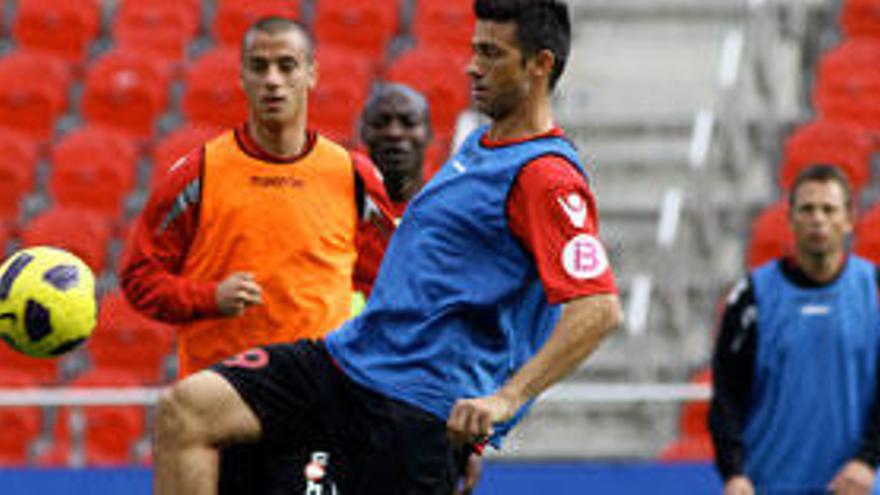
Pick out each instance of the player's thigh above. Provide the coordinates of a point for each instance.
(208, 407)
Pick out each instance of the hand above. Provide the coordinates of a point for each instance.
(237, 292)
(854, 478)
(739, 485)
(471, 420)
(473, 470)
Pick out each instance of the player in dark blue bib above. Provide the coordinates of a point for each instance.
(494, 287)
(795, 371)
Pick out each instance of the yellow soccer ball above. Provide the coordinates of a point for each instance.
(47, 301)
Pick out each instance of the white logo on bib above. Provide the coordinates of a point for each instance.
(584, 257)
(575, 208)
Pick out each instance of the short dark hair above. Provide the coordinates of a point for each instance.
(540, 25)
(821, 172)
(275, 25)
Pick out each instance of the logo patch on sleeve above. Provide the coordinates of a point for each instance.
(584, 257)
(575, 208)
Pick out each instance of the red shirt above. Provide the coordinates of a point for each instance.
(552, 211)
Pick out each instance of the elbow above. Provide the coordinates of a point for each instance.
(614, 316)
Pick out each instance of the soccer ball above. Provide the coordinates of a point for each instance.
(47, 301)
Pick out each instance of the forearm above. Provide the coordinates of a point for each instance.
(584, 324)
(167, 297)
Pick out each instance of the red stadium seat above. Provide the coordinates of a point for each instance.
(866, 239)
(335, 105)
(688, 449)
(85, 234)
(176, 145)
(337, 62)
(213, 94)
(20, 425)
(771, 235)
(442, 79)
(446, 25)
(843, 144)
(234, 17)
(364, 27)
(694, 441)
(127, 90)
(162, 27)
(33, 92)
(13, 364)
(18, 163)
(106, 435)
(93, 168)
(128, 341)
(848, 83)
(861, 18)
(63, 28)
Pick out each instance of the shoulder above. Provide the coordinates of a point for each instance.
(550, 171)
(184, 171)
(742, 293)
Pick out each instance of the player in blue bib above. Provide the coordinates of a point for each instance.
(494, 286)
(795, 371)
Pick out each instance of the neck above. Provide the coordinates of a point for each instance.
(533, 117)
(821, 267)
(278, 139)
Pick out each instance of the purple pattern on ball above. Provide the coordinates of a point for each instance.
(62, 277)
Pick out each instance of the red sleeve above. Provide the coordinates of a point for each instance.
(157, 247)
(553, 213)
(377, 223)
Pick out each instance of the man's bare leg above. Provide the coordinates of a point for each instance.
(196, 417)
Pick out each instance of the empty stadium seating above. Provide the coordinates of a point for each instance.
(83, 233)
(861, 18)
(364, 27)
(93, 168)
(128, 341)
(842, 144)
(866, 238)
(447, 25)
(21, 426)
(694, 442)
(127, 90)
(234, 16)
(441, 78)
(14, 364)
(848, 83)
(335, 105)
(63, 28)
(771, 236)
(213, 94)
(18, 163)
(33, 92)
(162, 27)
(100, 436)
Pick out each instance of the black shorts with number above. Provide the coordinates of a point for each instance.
(305, 403)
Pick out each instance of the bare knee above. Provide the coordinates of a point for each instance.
(204, 409)
(177, 420)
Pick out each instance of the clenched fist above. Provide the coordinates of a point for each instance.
(237, 292)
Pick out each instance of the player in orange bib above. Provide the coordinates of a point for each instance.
(250, 239)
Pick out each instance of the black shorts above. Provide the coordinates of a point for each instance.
(305, 403)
